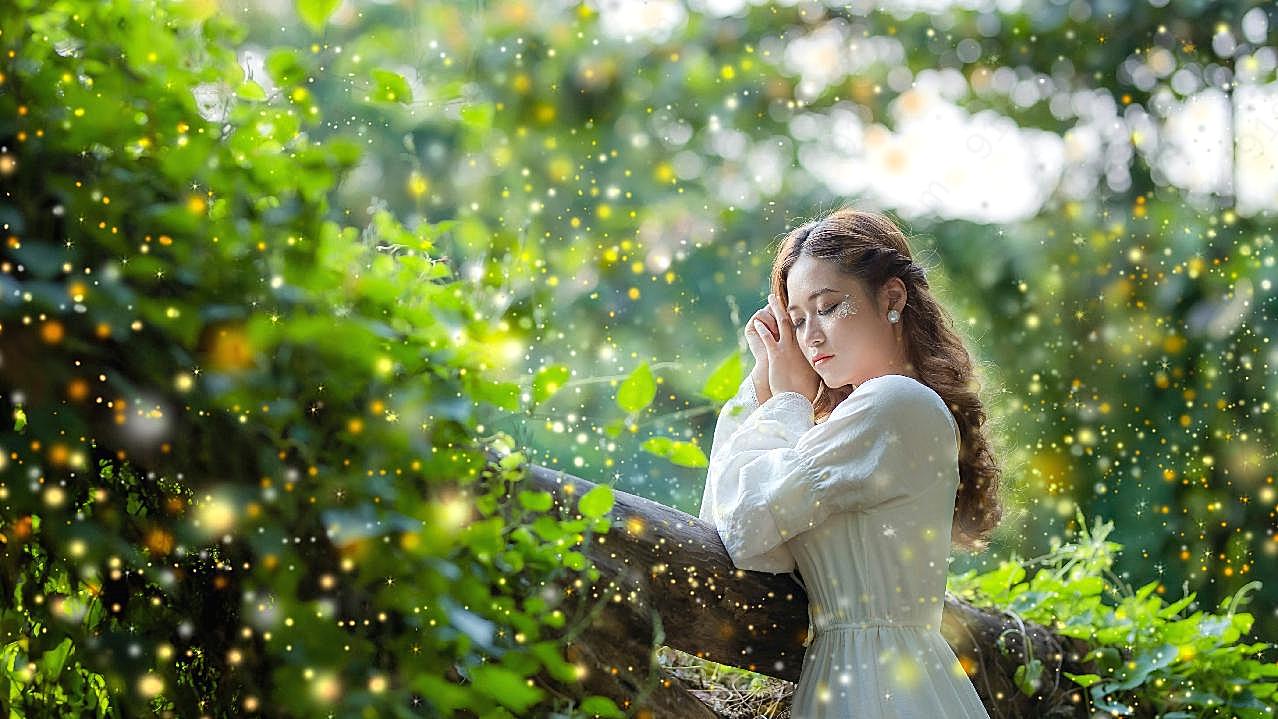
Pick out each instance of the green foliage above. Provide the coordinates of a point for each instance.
(723, 382)
(257, 485)
(684, 454)
(596, 502)
(315, 13)
(390, 87)
(547, 380)
(37, 683)
(1147, 653)
(637, 390)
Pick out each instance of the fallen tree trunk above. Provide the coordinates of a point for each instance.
(666, 579)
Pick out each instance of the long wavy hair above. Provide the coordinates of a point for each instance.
(870, 247)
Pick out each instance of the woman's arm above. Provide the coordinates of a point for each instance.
(779, 475)
(732, 415)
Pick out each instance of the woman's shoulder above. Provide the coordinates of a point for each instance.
(900, 395)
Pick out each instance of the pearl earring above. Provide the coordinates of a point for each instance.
(894, 316)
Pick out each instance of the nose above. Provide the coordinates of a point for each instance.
(811, 337)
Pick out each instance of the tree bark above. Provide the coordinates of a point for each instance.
(666, 579)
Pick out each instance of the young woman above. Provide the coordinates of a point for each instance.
(854, 453)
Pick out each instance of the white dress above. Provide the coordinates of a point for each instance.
(862, 505)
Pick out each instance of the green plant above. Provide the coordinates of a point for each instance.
(1148, 652)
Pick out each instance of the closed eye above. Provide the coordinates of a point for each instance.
(799, 323)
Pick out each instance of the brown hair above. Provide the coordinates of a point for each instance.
(870, 247)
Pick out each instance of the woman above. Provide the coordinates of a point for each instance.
(854, 453)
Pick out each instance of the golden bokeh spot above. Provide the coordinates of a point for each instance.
(159, 541)
(229, 349)
(77, 389)
(58, 454)
(326, 687)
(51, 332)
(150, 685)
(217, 516)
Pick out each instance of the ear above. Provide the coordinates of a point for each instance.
(892, 294)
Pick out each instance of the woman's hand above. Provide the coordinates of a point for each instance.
(753, 334)
(753, 338)
(788, 368)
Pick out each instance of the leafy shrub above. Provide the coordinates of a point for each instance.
(1149, 652)
(241, 474)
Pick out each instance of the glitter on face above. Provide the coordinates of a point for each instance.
(845, 308)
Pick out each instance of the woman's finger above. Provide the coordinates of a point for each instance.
(764, 334)
(764, 315)
(769, 321)
(783, 319)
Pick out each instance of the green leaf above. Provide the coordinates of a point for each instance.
(684, 454)
(725, 380)
(52, 661)
(538, 501)
(19, 419)
(575, 561)
(597, 502)
(390, 87)
(638, 390)
(1135, 672)
(551, 658)
(505, 686)
(1027, 675)
(548, 380)
(501, 394)
(613, 428)
(1088, 586)
(250, 90)
(446, 696)
(601, 706)
(477, 117)
(345, 152)
(315, 13)
(1083, 680)
(283, 65)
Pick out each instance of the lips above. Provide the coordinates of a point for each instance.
(820, 358)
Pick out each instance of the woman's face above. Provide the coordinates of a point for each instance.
(832, 315)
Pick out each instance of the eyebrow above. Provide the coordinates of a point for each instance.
(815, 295)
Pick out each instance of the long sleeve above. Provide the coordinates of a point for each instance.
(731, 416)
(778, 474)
